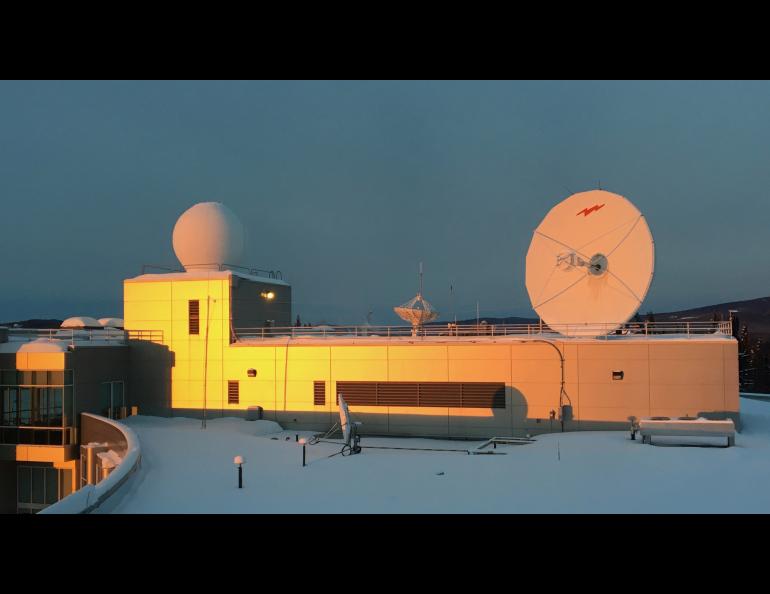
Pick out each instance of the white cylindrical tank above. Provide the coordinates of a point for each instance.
(207, 236)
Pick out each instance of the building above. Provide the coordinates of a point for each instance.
(216, 341)
(47, 378)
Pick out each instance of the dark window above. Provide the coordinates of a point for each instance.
(319, 393)
(233, 396)
(424, 394)
(193, 311)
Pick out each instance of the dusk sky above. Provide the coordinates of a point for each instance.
(346, 186)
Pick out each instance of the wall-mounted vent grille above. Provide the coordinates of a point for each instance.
(233, 395)
(193, 316)
(319, 393)
(424, 394)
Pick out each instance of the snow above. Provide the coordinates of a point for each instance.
(189, 470)
(204, 275)
(41, 345)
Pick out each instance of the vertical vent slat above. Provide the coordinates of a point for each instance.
(193, 316)
(319, 393)
(233, 393)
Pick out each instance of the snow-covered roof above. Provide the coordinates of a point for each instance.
(40, 345)
(595, 471)
(373, 339)
(203, 275)
(23, 340)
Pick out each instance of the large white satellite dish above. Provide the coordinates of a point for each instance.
(590, 264)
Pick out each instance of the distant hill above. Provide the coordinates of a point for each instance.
(754, 313)
(35, 323)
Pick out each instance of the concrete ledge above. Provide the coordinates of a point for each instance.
(90, 497)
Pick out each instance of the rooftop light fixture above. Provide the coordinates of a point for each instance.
(238, 461)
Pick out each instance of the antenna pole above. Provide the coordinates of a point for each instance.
(206, 361)
(477, 315)
(420, 278)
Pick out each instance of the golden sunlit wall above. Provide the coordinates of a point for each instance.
(668, 378)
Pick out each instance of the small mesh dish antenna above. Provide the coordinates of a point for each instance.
(590, 264)
(417, 311)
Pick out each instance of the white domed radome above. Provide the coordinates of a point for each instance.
(208, 235)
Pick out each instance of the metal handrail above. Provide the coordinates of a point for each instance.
(603, 330)
(148, 335)
(274, 274)
(71, 334)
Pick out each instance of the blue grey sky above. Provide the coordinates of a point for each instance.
(346, 186)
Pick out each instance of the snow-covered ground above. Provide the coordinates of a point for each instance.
(189, 470)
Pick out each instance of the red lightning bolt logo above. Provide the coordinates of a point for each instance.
(587, 211)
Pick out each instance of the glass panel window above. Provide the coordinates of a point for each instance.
(24, 481)
(25, 377)
(25, 407)
(38, 485)
(105, 397)
(68, 408)
(51, 485)
(55, 410)
(39, 407)
(118, 396)
(40, 377)
(10, 404)
(8, 377)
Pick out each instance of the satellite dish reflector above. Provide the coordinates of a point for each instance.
(345, 420)
(417, 311)
(590, 264)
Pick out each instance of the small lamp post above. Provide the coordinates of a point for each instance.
(238, 461)
(303, 443)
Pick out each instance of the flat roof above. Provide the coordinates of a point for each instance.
(373, 340)
(194, 275)
(24, 340)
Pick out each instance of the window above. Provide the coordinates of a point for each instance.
(233, 396)
(319, 393)
(193, 316)
(39, 486)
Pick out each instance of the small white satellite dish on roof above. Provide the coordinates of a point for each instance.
(80, 322)
(111, 322)
(590, 264)
(349, 430)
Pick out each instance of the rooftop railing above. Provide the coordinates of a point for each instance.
(274, 274)
(450, 330)
(111, 335)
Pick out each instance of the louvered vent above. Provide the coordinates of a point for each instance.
(319, 393)
(193, 316)
(233, 393)
(424, 394)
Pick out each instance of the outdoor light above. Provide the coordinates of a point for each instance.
(238, 461)
(303, 442)
(269, 295)
(251, 373)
